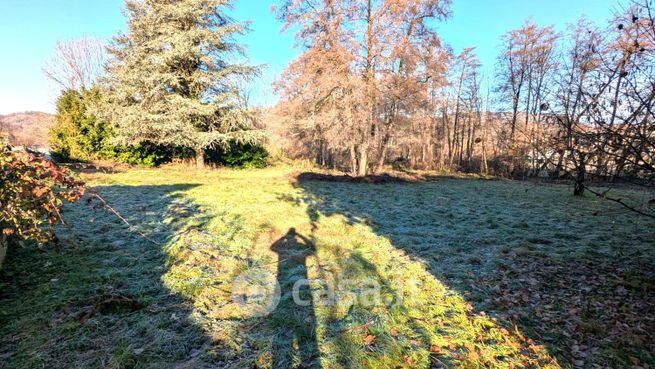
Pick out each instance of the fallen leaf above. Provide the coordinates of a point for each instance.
(535, 348)
(416, 343)
(436, 349)
(40, 191)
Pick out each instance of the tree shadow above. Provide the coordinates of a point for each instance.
(307, 295)
(504, 250)
(294, 317)
(99, 300)
(104, 299)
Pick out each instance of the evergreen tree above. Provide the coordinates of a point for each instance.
(76, 134)
(172, 81)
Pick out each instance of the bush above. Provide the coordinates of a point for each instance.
(146, 154)
(32, 191)
(240, 156)
(76, 134)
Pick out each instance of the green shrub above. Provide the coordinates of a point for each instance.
(76, 134)
(149, 155)
(239, 156)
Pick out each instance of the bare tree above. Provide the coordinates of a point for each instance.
(319, 91)
(604, 101)
(375, 86)
(578, 80)
(627, 121)
(465, 83)
(522, 79)
(77, 63)
(364, 74)
(524, 66)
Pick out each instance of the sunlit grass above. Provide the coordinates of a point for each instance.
(431, 248)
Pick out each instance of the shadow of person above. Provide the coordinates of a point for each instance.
(293, 321)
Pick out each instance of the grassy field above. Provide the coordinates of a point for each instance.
(447, 273)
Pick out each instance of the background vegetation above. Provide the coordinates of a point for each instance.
(575, 106)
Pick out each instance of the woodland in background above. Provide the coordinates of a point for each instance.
(376, 86)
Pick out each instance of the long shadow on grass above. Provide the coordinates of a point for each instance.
(294, 316)
(294, 321)
(99, 301)
(514, 255)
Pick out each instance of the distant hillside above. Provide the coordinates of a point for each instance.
(29, 128)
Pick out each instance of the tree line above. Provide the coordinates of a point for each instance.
(376, 86)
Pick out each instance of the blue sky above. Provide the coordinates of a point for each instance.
(29, 30)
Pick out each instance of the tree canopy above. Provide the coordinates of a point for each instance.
(367, 67)
(175, 74)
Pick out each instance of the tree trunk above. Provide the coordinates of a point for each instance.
(3, 248)
(384, 148)
(363, 161)
(484, 166)
(515, 114)
(200, 158)
(353, 160)
(580, 176)
(450, 146)
(456, 123)
(383, 157)
(465, 130)
(473, 130)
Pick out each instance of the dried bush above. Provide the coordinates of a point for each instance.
(32, 191)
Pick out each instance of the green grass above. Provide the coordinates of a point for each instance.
(470, 274)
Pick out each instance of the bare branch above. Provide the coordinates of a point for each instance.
(77, 63)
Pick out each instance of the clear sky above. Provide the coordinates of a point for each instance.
(29, 30)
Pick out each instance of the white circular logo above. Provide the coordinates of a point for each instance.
(257, 292)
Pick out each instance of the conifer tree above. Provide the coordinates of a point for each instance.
(174, 77)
